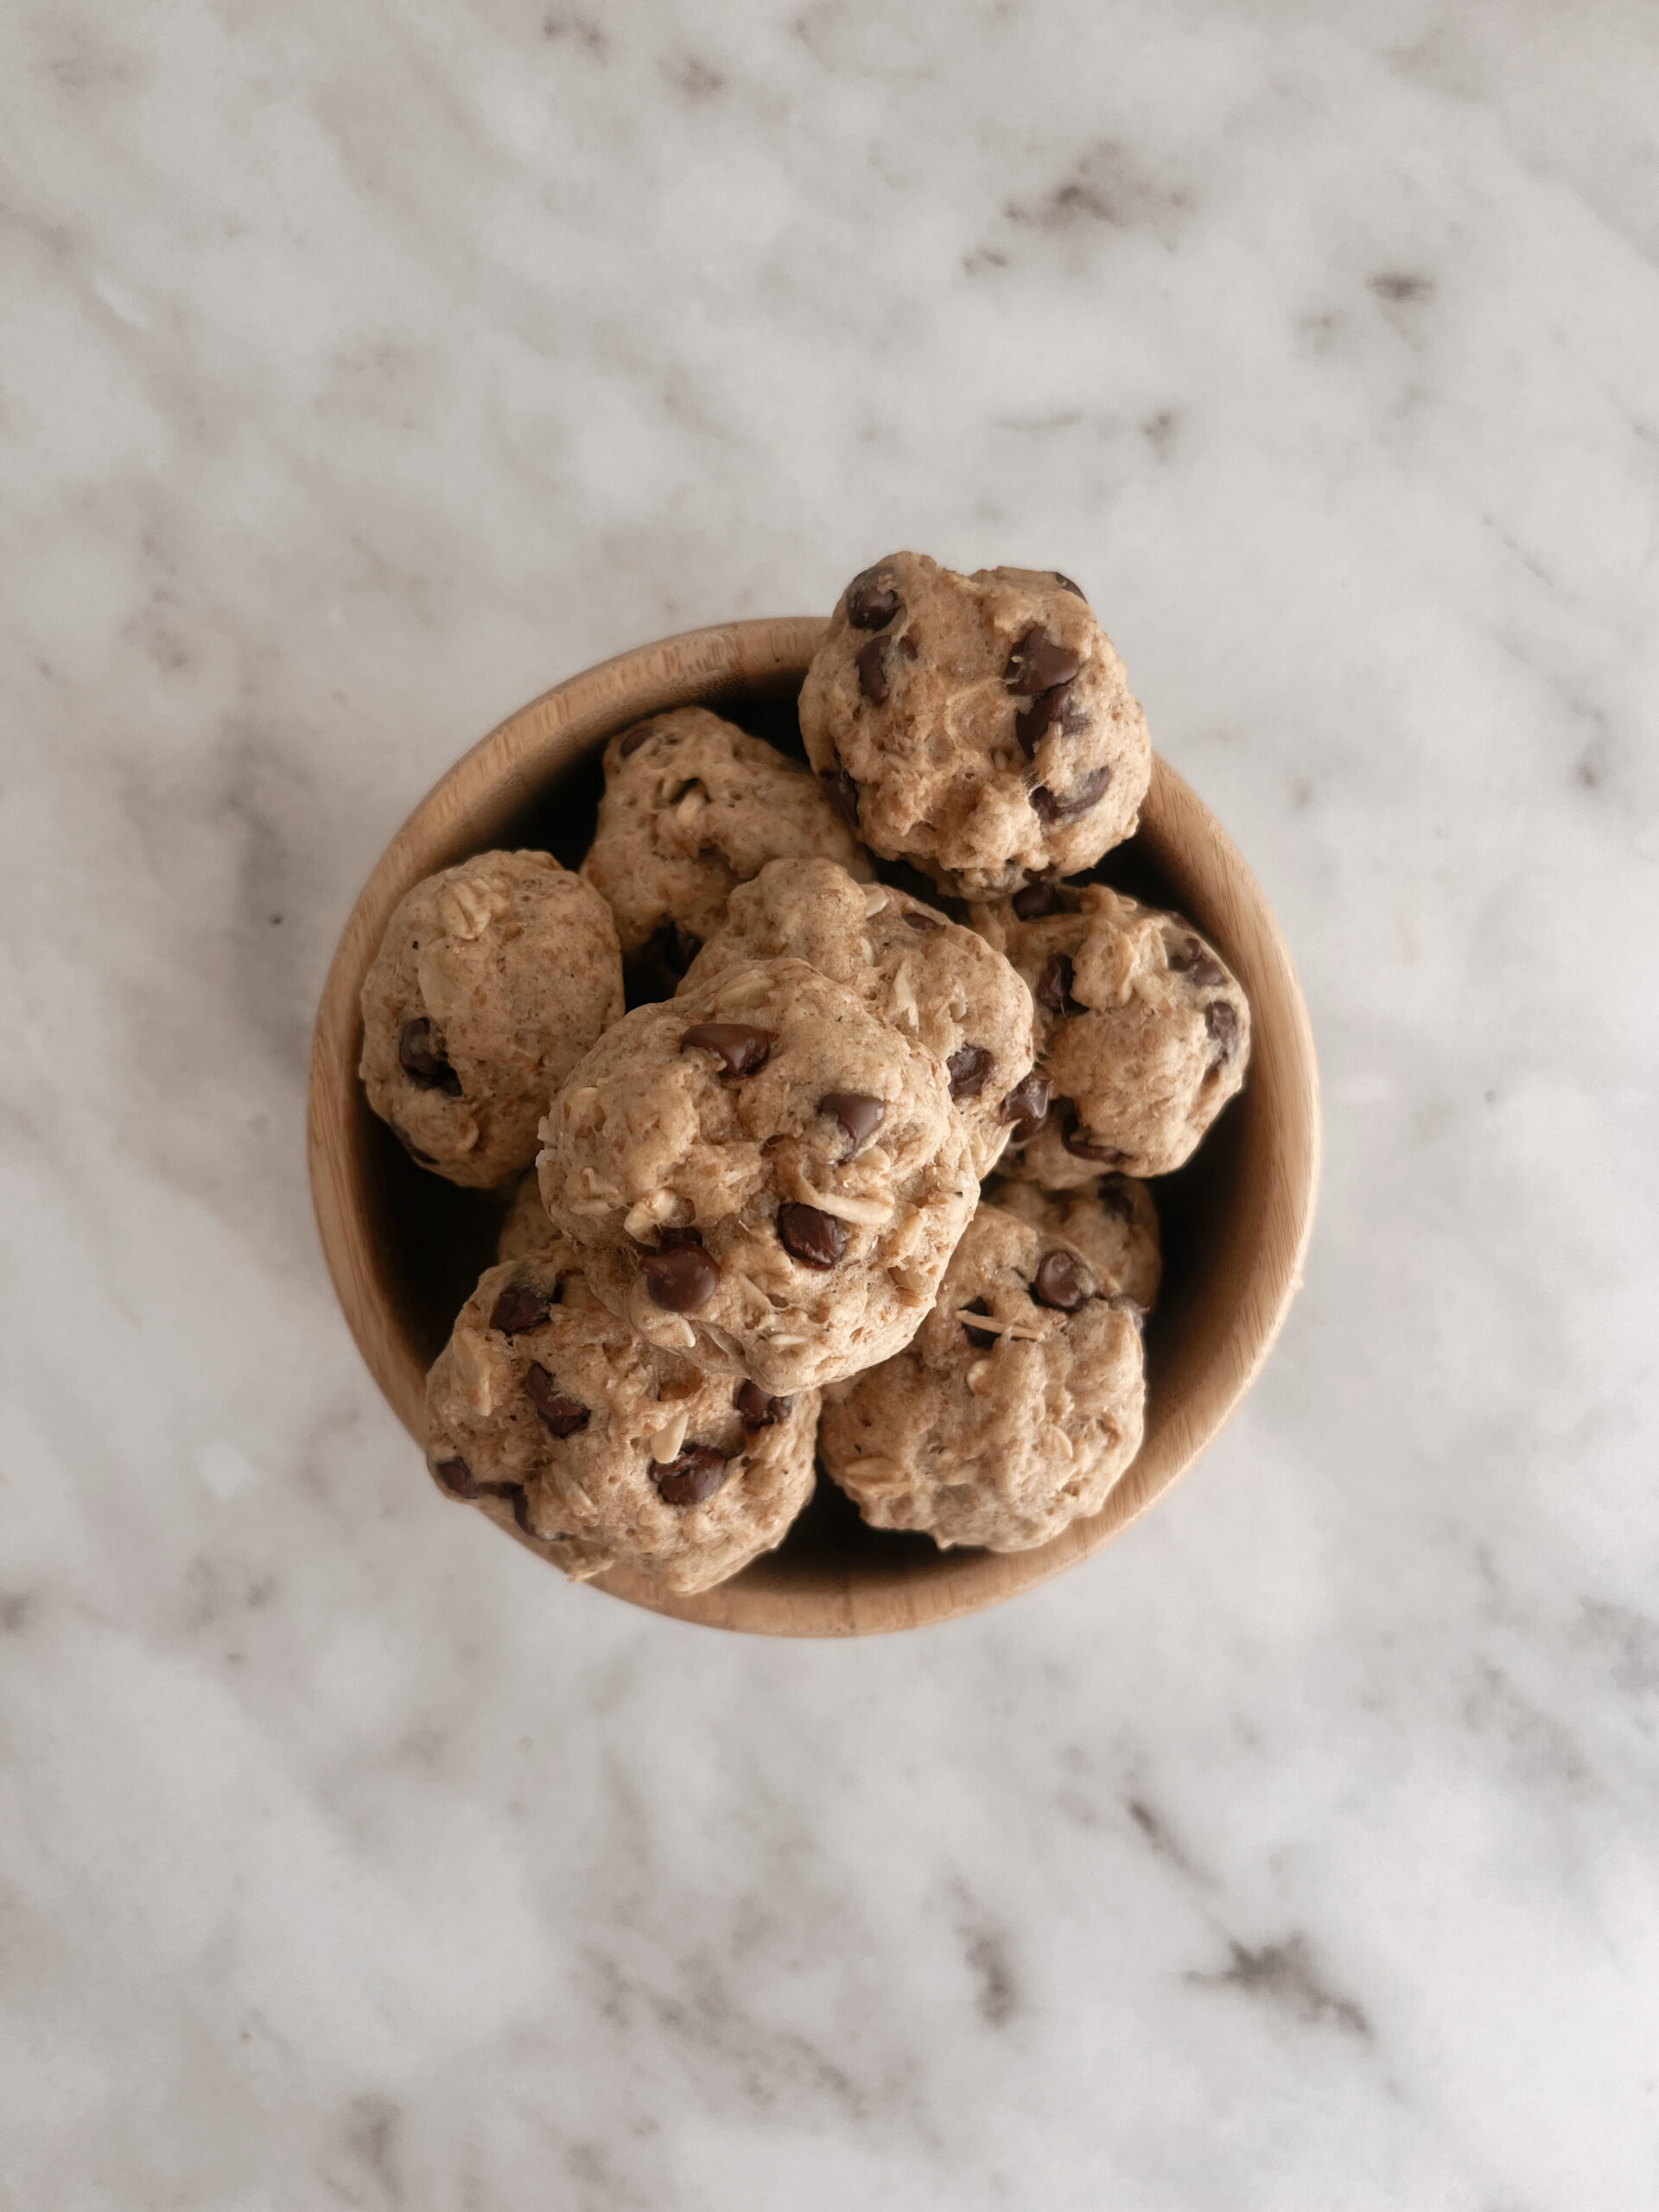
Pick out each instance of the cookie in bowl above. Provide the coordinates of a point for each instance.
(692, 807)
(1016, 1408)
(980, 727)
(492, 979)
(546, 1408)
(1112, 1220)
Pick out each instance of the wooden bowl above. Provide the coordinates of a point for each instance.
(406, 1248)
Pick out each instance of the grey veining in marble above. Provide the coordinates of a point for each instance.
(367, 370)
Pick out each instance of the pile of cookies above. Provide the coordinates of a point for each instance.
(859, 1181)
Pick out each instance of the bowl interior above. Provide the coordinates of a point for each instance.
(406, 1248)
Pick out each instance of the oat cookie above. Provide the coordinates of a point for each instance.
(546, 1410)
(1015, 1409)
(934, 980)
(761, 1175)
(1145, 1035)
(980, 727)
(692, 807)
(492, 979)
(1112, 1220)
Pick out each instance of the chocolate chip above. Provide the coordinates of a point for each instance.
(1190, 959)
(521, 1510)
(872, 602)
(1036, 901)
(816, 1240)
(842, 794)
(681, 1279)
(1054, 985)
(1222, 1022)
(693, 1477)
(1066, 584)
(970, 1068)
(860, 1115)
(635, 738)
(756, 1410)
(1062, 1281)
(740, 1045)
(1055, 706)
(419, 1054)
(1026, 1106)
(873, 672)
(1039, 663)
(564, 1416)
(521, 1306)
(455, 1476)
(1080, 1142)
(915, 920)
(1051, 809)
(982, 1339)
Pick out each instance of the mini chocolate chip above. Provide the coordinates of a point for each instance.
(756, 1410)
(742, 1046)
(635, 738)
(693, 1477)
(1026, 1106)
(1036, 901)
(1190, 959)
(1222, 1022)
(842, 793)
(873, 672)
(872, 602)
(521, 1509)
(1055, 706)
(419, 1054)
(982, 1339)
(915, 920)
(970, 1068)
(1062, 1281)
(1039, 663)
(1080, 1142)
(455, 1476)
(1054, 985)
(1051, 809)
(859, 1114)
(521, 1307)
(816, 1240)
(681, 1279)
(564, 1416)
(1066, 584)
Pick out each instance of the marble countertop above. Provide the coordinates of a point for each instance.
(369, 369)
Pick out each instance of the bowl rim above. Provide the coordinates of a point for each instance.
(465, 811)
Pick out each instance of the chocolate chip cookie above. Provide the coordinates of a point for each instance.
(761, 1175)
(492, 979)
(1145, 1035)
(932, 980)
(548, 1412)
(1015, 1409)
(979, 727)
(1112, 1220)
(693, 807)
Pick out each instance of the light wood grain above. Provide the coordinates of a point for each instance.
(1238, 1220)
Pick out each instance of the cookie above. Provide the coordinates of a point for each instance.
(761, 1175)
(934, 980)
(1015, 1409)
(547, 1411)
(693, 807)
(524, 1227)
(1145, 1035)
(492, 979)
(1112, 1220)
(979, 727)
